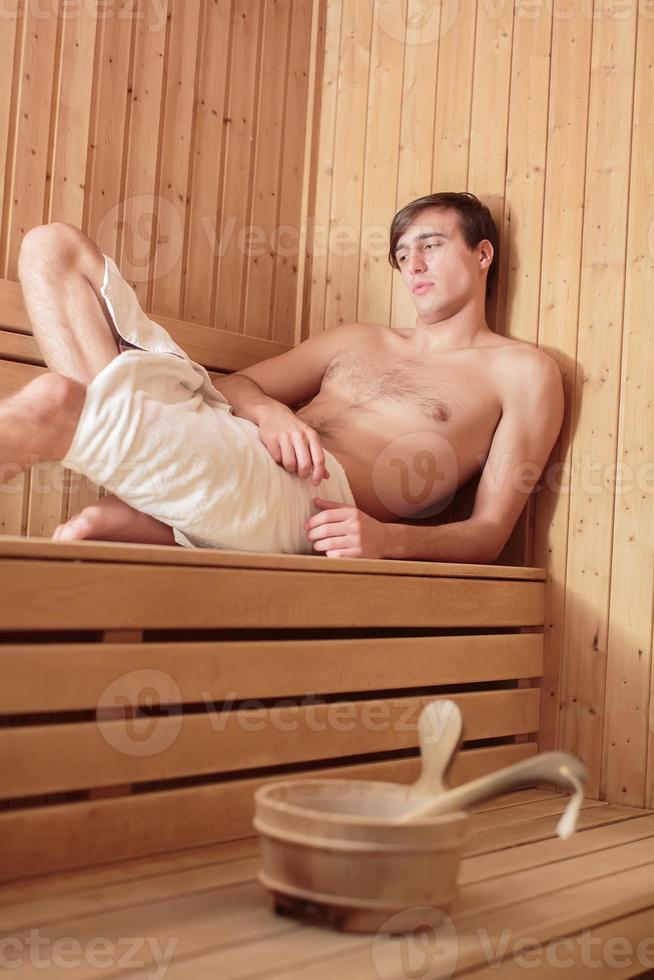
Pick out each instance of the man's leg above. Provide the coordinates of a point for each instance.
(61, 272)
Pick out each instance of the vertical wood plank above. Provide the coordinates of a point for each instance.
(10, 36)
(296, 151)
(597, 391)
(47, 495)
(27, 191)
(490, 113)
(11, 493)
(208, 161)
(456, 52)
(112, 92)
(13, 502)
(380, 172)
(523, 205)
(315, 283)
(241, 126)
(525, 176)
(629, 721)
(348, 165)
(419, 91)
(73, 116)
(557, 328)
(266, 171)
(137, 240)
(172, 194)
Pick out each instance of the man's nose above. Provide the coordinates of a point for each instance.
(416, 263)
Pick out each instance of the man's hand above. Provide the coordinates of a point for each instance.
(292, 443)
(344, 531)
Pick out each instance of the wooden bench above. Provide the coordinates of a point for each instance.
(148, 690)
(529, 904)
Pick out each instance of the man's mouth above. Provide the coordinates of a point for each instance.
(421, 287)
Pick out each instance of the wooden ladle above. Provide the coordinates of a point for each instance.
(440, 731)
(552, 767)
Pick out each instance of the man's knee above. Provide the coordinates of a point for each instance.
(57, 248)
(55, 394)
(56, 403)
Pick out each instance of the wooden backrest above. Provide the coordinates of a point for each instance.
(218, 350)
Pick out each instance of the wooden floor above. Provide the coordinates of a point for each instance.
(589, 902)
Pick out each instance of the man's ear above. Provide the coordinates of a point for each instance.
(486, 253)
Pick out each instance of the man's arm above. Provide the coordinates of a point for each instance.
(532, 414)
(290, 378)
(245, 396)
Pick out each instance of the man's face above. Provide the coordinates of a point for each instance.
(440, 271)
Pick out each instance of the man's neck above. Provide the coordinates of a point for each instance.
(465, 329)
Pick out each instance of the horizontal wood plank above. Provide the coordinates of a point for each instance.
(14, 375)
(59, 677)
(67, 595)
(14, 546)
(220, 350)
(19, 347)
(50, 839)
(114, 752)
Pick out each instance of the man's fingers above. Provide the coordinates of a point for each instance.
(318, 457)
(324, 530)
(302, 455)
(288, 452)
(340, 514)
(328, 544)
(272, 445)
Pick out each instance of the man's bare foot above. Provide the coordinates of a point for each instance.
(111, 519)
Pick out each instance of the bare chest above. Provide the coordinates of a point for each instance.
(445, 391)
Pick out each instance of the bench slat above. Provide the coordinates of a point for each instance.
(115, 752)
(76, 835)
(67, 595)
(59, 677)
(15, 546)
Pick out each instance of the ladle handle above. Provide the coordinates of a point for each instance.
(548, 766)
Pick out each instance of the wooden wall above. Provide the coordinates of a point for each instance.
(173, 133)
(544, 110)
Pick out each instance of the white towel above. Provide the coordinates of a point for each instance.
(155, 432)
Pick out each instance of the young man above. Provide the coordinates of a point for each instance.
(392, 421)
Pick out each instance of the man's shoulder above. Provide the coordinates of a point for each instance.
(528, 377)
(529, 357)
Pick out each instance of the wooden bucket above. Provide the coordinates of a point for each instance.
(330, 854)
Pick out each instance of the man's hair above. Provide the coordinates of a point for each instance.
(475, 224)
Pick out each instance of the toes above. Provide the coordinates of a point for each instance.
(74, 530)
